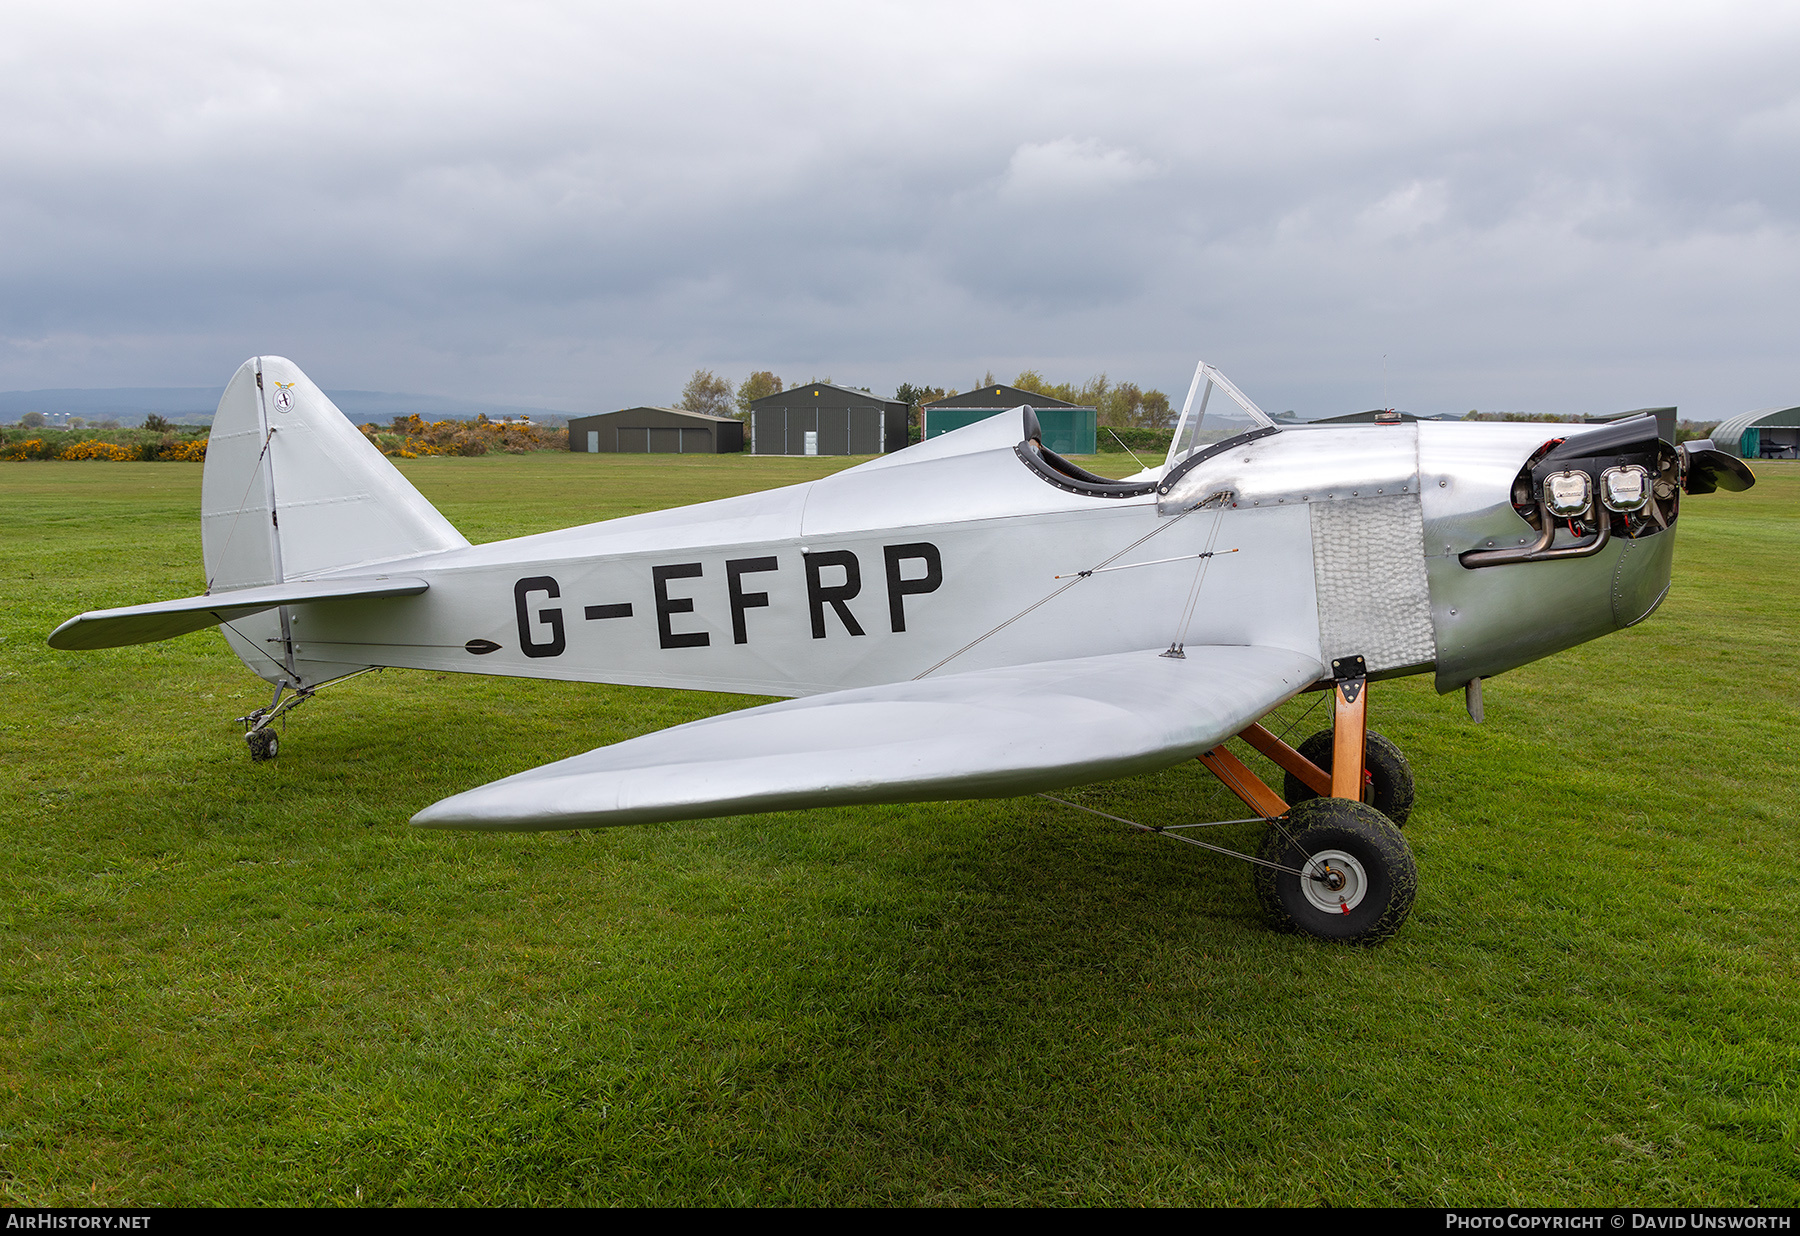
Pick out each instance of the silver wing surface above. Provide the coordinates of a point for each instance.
(984, 734)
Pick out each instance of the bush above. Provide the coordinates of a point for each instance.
(93, 449)
(1140, 440)
(410, 437)
(185, 445)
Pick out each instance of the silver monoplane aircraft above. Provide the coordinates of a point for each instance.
(973, 616)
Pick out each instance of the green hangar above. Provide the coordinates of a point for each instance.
(656, 431)
(1068, 429)
(1770, 433)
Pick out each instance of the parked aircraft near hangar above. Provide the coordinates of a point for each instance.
(974, 616)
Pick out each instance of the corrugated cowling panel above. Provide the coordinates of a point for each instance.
(1369, 569)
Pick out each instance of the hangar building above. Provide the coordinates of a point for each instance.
(1771, 433)
(822, 418)
(1068, 428)
(656, 431)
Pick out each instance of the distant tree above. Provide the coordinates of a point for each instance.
(1125, 404)
(988, 379)
(32, 420)
(912, 396)
(758, 385)
(1548, 417)
(1090, 394)
(706, 392)
(157, 423)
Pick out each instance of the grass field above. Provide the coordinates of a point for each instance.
(227, 983)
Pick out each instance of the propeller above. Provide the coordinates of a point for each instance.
(1710, 469)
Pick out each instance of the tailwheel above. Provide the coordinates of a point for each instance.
(1339, 870)
(259, 733)
(263, 742)
(1387, 777)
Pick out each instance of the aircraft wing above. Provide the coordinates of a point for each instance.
(983, 734)
(141, 624)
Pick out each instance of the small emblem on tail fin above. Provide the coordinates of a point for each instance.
(284, 396)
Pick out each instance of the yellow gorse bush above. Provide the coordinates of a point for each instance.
(94, 449)
(410, 437)
(186, 452)
(191, 451)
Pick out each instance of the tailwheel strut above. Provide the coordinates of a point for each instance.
(259, 732)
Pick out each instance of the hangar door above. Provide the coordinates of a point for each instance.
(841, 431)
(661, 441)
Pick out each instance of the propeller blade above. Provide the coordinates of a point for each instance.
(1710, 470)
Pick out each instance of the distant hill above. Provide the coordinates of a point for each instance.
(191, 405)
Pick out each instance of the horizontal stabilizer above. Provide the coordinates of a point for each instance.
(143, 624)
(984, 734)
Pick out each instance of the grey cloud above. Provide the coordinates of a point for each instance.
(580, 208)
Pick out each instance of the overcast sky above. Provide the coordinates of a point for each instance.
(1549, 207)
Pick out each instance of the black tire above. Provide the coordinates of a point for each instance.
(1387, 768)
(1363, 848)
(264, 745)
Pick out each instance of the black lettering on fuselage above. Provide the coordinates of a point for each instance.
(667, 605)
(735, 569)
(551, 617)
(899, 588)
(596, 612)
(818, 596)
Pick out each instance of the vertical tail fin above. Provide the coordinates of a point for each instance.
(291, 489)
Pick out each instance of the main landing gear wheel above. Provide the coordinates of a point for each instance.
(1357, 878)
(264, 745)
(1389, 775)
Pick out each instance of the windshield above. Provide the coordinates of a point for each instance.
(1215, 410)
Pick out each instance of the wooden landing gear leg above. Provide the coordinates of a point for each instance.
(1245, 784)
(1331, 866)
(1387, 779)
(1343, 777)
(1349, 727)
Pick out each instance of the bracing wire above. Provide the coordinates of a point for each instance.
(1134, 457)
(1204, 845)
(1179, 640)
(1076, 579)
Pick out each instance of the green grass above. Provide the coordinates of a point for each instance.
(227, 983)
